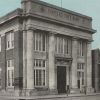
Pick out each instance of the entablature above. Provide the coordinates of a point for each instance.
(52, 13)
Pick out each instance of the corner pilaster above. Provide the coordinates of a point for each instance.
(52, 68)
(28, 61)
(89, 69)
(74, 88)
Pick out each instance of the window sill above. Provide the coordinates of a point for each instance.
(81, 57)
(41, 87)
(10, 87)
(40, 51)
(10, 48)
(62, 55)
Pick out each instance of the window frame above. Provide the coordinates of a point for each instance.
(81, 70)
(63, 45)
(10, 73)
(40, 41)
(10, 40)
(37, 70)
(81, 48)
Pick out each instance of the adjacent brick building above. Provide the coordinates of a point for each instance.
(45, 49)
(96, 69)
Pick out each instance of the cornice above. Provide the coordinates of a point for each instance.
(89, 30)
(57, 7)
(16, 13)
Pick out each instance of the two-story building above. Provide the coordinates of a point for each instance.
(45, 49)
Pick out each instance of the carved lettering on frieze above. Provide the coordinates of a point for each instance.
(61, 15)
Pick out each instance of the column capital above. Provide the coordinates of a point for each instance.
(32, 28)
(75, 38)
(52, 33)
(89, 41)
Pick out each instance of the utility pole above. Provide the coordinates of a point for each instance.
(61, 3)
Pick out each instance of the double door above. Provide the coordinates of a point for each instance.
(61, 79)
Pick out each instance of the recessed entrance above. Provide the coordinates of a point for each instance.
(61, 79)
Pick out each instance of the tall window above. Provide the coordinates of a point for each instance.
(10, 73)
(80, 74)
(63, 45)
(10, 40)
(40, 41)
(81, 48)
(39, 72)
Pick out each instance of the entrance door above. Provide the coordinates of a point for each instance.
(61, 79)
(78, 81)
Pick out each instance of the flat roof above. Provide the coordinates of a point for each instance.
(59, 8)
(10, 15)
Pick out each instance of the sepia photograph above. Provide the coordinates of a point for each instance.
(49, 50)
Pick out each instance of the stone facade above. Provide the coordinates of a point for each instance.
(52, 50)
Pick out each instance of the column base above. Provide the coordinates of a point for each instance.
(90, 90)
(53, 91)
(39, 92)
(74, 91)
(28, 92)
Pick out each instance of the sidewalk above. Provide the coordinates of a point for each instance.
(50, 96)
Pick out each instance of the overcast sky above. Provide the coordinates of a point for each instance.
(87, 7)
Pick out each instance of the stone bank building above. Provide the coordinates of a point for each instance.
(45, 49)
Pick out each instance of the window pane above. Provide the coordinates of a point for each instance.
(37, 77)
(12, 39)
(39, 72)
(43, 44)
(56, 45)
(34, 78)
(8, 77)
(36, 41)
(10, 72)
(63, 45)
(12, 63)
(12, 78)
(8, 40)
(40, 42)
(40, 63)
(8, 63)
(44, 77)
(36, 63)
(43, 63)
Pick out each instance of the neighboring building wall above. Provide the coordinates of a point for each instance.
(96, 69)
